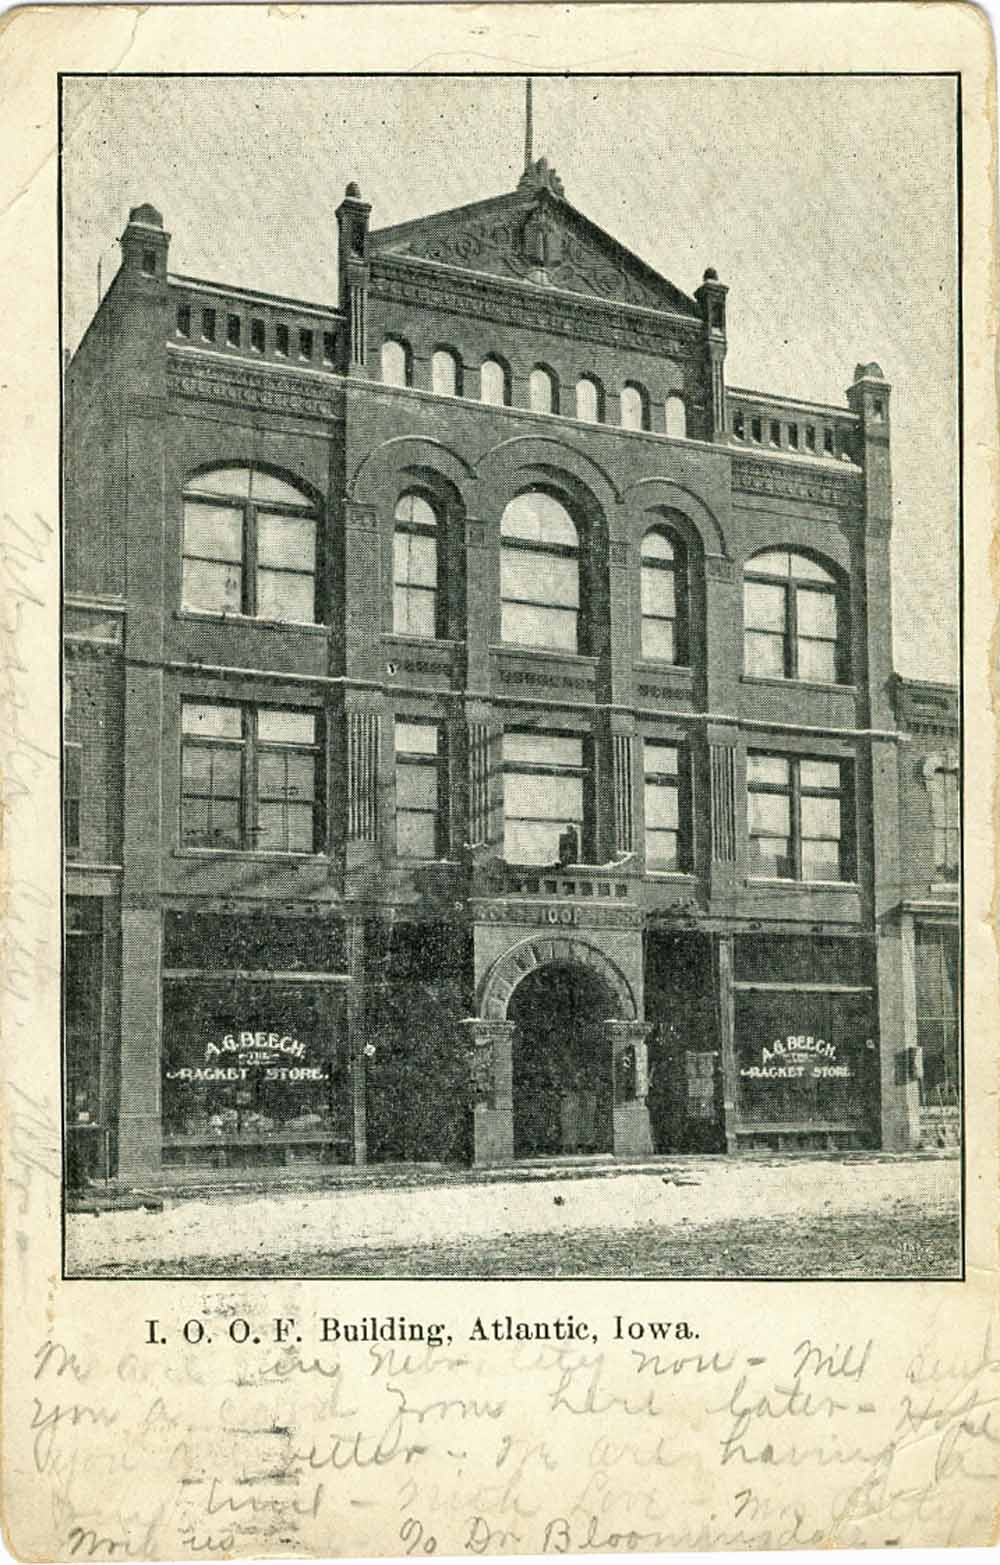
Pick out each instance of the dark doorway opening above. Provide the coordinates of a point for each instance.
(563, 1088)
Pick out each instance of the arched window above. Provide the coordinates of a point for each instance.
(634, 408)
(664, 597)
(249, 546)
(396, 363)
(446, 377)
(588, 401)
(676, 418)
(542, 396)
(494, 386)
(415, 567)
(791, 619)
(539, 573)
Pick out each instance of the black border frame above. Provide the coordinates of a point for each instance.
(365, 1277)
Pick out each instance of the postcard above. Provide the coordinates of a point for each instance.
(500, 983)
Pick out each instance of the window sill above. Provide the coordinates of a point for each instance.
(776, 882)
(683, 875)
(662, 666)
(520, 650)
(256, 854)
(796, 684)
(420, 641)
(206, 616)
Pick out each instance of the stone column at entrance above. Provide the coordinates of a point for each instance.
(489, 1056)
(632, 1136)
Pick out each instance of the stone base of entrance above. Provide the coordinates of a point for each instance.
(492, 1136)
(633, 1137)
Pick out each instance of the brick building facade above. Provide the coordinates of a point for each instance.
(482, 738)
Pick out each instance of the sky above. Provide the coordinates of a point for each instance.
(827, 204)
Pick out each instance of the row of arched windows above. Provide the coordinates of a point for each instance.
(793, 621)
(585, 401)
(250, 550)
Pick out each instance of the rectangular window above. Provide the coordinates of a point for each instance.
(305, 344)
(541, 599)
(946, 813)
(329, 347)
(775, 432)
(667, 811)
(798, 818)
(250, 778)
(418, 792)
(213, 557)
(183, 320)
(739, 425)
(938, 1006)
(810, 437)
(257, 335)
(756, 430)
(545, 780)
(281, 341)
(415, 574)
(72, 780)
(847, 444)
(793, 436)
(765, 624)
(208, 325)
(828, 441)
(234, 330)
(149, 262)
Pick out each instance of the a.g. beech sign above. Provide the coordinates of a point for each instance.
(252, 1050)
(795, 1056)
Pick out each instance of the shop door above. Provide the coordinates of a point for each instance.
(562, 1073)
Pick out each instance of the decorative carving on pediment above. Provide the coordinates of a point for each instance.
(539, 248)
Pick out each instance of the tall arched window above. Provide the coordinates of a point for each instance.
(539, 573)
(634, 407)
(249, 546)
(588, 400)
(542, 394)
(446, 378)
(791, 619)
(396, 363)
(664, 597)
(494, 386)
(676, 418)
(415, 567)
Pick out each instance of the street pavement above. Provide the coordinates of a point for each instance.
(855, 1215)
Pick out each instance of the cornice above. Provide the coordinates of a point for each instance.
(606, 321)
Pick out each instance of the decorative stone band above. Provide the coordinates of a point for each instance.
(757, 478)
(271, 393)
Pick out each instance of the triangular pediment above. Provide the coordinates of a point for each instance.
(535, 236)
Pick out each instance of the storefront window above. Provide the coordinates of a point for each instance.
(254, 1072)
(805, 1060)
(82, 999)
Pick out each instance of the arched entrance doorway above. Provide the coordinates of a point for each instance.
(563, 1088)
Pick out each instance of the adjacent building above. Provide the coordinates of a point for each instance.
(482, 739)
